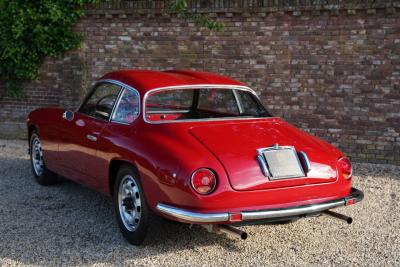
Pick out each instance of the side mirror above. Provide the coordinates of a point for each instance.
(68, 115)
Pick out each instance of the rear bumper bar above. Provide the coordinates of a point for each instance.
(254, 215)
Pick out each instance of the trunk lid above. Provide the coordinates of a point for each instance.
(235, 145)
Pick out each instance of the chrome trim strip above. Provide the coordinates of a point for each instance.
(279, 213)
(238, 87)
(235, 95)
(208, 119)
(121, 91)
(168, 111)
(306, 161)
(123, 87)
(192, 216)
(263, 165)
(274, 147)
(205, 85)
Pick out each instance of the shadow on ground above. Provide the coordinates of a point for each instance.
(65, 221)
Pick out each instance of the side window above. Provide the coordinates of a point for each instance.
(101, 101)
(127, 108)
(170, 100)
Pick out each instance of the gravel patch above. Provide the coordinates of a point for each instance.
(68, 224)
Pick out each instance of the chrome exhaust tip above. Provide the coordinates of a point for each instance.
(227, 229)
(339, 216)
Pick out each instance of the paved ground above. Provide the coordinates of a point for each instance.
(71, 225)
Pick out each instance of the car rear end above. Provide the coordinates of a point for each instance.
(243, 194)
(263, 169)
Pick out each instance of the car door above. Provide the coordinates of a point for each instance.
(81, 135)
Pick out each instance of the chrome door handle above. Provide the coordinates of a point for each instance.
(91, 137)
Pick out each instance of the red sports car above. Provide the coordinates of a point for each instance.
(193, 147)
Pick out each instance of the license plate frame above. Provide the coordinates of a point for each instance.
(282, 162)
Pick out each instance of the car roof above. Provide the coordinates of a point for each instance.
(145, 80)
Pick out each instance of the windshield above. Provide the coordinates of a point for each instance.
(203, 103)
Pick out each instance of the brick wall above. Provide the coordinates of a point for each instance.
(332, 72)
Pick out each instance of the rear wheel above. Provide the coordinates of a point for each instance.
(130, 205)
(42, 175)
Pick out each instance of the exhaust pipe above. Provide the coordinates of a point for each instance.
(225, 229)
(339, 216)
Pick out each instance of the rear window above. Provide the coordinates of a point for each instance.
(203, 103)
(222, 101)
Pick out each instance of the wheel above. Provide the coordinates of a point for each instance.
(42, 175)
(130, 205)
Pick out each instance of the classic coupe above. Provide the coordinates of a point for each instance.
(193, 147)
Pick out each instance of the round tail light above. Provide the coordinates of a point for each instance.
(345, 167)
(203, 181)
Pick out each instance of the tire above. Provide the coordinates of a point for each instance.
(131, 209)
(43, 176)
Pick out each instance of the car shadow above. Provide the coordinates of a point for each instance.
(68, 223)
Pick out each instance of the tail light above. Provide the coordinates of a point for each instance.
(203, 181)
(345, 167)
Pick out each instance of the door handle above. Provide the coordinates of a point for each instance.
(91, 137)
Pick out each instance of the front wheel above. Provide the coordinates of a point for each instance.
(42, 175)
(130, 205)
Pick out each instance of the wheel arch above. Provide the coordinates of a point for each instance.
(114, 166)
(31, 129)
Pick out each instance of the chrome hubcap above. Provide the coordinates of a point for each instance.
(37, 156)
(129, 203)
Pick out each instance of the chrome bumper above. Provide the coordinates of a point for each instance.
(253, 215)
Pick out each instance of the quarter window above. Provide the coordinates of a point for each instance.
(101, 101)
(127, 108)
(247, 101)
